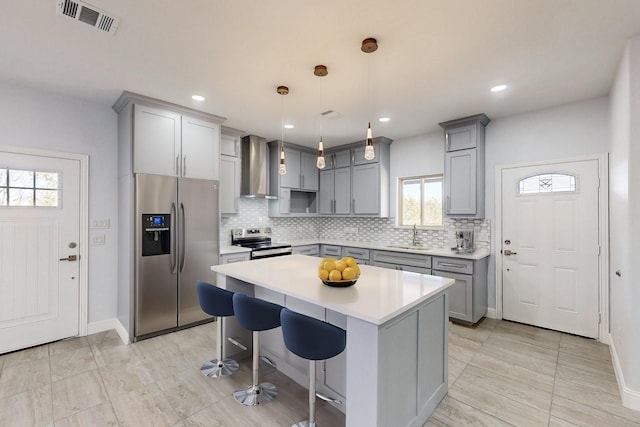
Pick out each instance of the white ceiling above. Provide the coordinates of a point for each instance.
(436, 60)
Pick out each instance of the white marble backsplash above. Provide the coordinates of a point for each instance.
(255, 213)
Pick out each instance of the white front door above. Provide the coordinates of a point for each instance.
(39, 238)
(550, 246)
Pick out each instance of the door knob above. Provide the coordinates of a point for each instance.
(507, 252)
(70, 258)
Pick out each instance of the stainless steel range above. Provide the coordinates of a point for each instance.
(259, 241)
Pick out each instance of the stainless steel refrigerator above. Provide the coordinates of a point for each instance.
(177, 242)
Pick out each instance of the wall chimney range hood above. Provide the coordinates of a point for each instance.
(254, 183)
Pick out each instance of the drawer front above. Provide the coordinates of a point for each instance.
(311, 250)
(229, 258)
(454, 265)
(401, 258)
(357, 253)
(331, 251)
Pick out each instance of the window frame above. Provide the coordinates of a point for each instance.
(400, 198)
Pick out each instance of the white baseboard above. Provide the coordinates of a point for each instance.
(630, 398)
(491, 313)
(107, 325)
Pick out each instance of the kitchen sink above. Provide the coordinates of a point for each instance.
(417, 248)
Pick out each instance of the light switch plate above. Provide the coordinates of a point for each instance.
(97, 240)
(100, 223)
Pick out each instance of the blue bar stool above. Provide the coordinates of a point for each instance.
(256, 315)
(314, 340)
(217, 302)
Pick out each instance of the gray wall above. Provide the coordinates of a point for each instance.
(570, 130)
(32, 118)
(624, 207)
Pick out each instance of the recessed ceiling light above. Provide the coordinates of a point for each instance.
(498, 88)
(199, 98)
(384, 119)
(288, 126)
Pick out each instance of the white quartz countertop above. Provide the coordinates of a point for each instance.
(379, 295)
(226, 250)
(446, 252)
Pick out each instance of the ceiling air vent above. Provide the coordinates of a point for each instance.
(88, 14)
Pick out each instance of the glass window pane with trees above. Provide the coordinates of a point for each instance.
(29, 188)
(420, 201)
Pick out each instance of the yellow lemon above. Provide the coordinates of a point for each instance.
(350, 261)
(330, 265)
(323, 274)
(340, 266)
(335, 275)
(357, 269)
(325, 260)
(349, 273)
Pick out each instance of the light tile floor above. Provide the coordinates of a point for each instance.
(500, 373)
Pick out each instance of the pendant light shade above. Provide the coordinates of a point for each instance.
(369, 154)
(282, 169)
(369, 46)
(320, 71)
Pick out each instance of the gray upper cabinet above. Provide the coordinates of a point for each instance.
(297, 189)
(301, 170)
(338, 159)
(335, 191)
(352, 185)
(464, 166)
(229, 171)
(461, 138)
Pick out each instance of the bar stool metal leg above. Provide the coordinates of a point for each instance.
(219, 367)
(256, 394)
(311, 422)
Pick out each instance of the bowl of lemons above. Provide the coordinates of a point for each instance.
(339, 273)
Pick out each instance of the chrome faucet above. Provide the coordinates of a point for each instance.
(415, 235)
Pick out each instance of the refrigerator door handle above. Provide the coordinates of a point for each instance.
(182, 237)
(174, 252)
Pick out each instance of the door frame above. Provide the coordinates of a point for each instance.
(83, 283)
(603, 234)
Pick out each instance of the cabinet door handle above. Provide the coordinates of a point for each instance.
(450, 264)
(448, 203)
(184, 165)
(353, 157)
(353, 205)
(177, 165)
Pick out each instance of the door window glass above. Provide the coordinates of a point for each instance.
(29, 188)
(547, 183)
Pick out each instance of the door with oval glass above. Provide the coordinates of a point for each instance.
(550, 246)
(39, 235)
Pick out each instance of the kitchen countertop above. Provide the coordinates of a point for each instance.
(444, 252)
(379, 295)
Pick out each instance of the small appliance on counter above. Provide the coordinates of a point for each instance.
(464, 242)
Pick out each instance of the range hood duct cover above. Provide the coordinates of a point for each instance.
(253, 181)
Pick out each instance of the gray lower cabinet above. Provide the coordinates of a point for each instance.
(311, 250)
(330, 374)
(468, 295)
(331, 251)
(416, 263)
(362, 256)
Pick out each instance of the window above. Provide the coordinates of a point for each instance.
(547, 183)
(420, 201)
(28, 188)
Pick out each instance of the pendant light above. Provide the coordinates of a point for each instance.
(282, 169)
(320, 71)
(369, 45)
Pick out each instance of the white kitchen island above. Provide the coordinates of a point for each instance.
(394, 369)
